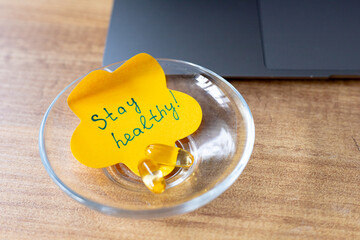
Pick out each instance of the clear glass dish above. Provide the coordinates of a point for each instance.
(221, 146)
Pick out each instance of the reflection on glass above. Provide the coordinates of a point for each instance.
(212, 89)
(221, 145)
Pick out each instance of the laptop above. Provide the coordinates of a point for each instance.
(244, 38)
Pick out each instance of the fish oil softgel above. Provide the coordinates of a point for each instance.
(168, 155)
(152, 176)
(157, 155)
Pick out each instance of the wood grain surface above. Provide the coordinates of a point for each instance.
(302, 181)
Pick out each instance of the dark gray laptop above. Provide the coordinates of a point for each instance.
(248, 38)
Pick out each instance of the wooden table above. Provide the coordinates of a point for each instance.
(302, 180)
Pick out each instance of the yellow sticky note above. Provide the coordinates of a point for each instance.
(124, 111)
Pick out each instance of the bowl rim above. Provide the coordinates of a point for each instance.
(181, 208)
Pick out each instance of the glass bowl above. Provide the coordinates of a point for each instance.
(221, 147)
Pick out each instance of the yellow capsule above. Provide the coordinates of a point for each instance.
(152, 176)
(168, 155)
